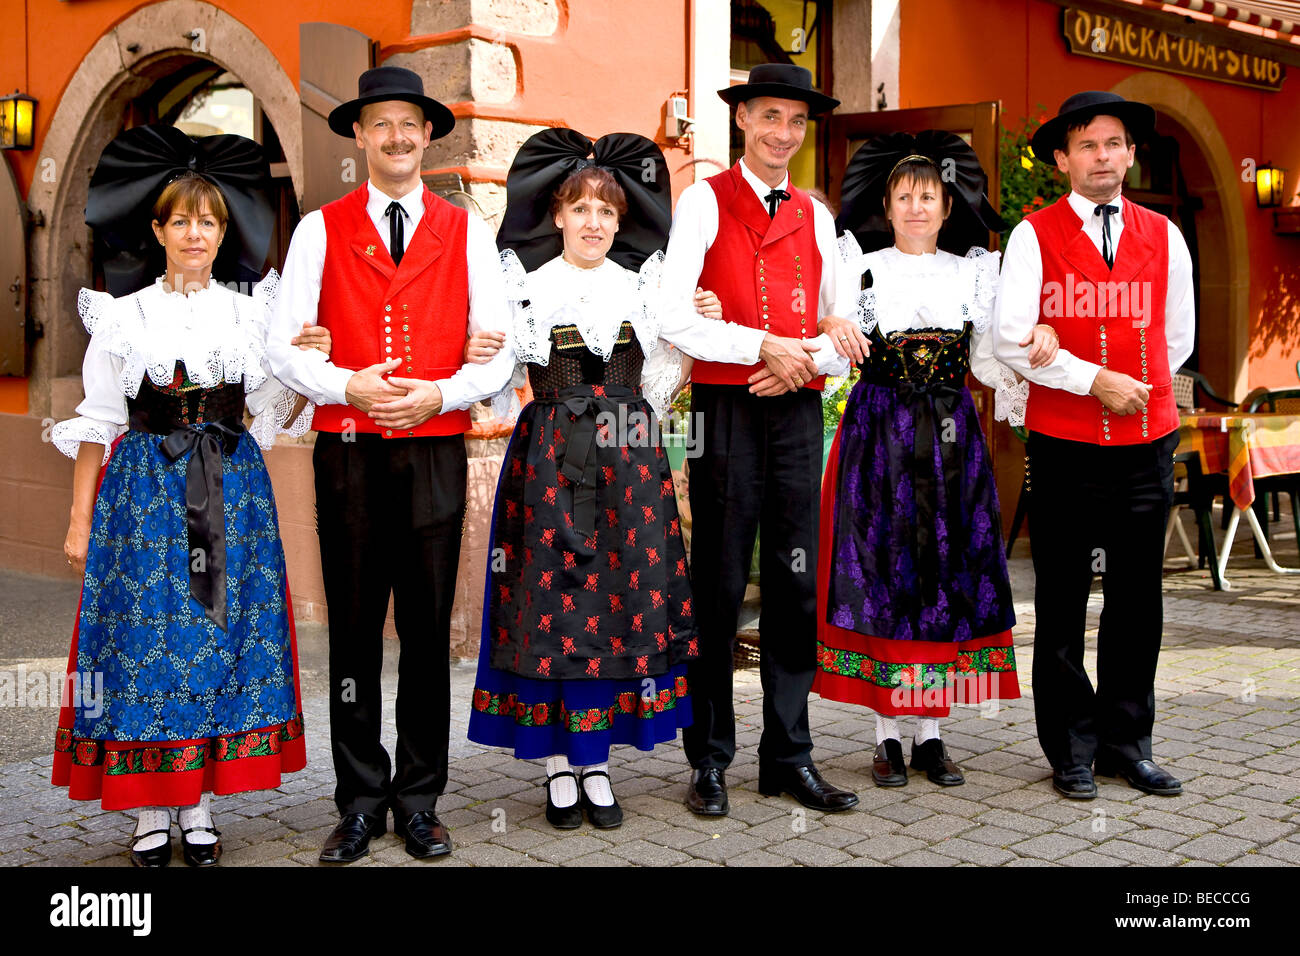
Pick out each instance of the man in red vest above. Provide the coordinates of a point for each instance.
(400, 277)
(768, 251)
(1115, 280)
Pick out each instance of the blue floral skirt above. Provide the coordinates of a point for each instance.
(162, 672)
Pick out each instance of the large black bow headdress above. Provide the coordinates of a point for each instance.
(132, 172)
(862, 209)
(547, 158)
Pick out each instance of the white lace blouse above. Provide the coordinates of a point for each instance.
(219, 335)
(598, 301)
(943, 291)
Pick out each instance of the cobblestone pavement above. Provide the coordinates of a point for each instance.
(1228, 723)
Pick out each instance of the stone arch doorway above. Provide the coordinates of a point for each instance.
(1212, 176)
(124, 64)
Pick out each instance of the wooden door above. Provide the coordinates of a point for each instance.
(13, 275)
(977, 123)
(331, 58)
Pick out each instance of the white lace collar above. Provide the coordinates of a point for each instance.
(597, 300)
(936, 289)
(218, 334)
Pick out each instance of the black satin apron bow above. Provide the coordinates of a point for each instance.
(930, 404)
(205, 516)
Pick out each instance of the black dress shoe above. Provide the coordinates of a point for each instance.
(562, 818)
(806, 785)
(603, 818)
(932, 757)
(707, 794)
(887, 768)
(158, 856)
(425, 834)
(200, 854)
(1142, 775)
(1074, 782)
(351, 838)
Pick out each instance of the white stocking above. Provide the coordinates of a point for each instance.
(886, 728)
(564, 791)
(198, 816)
(598, 789)
(927, 728)
(153, 818)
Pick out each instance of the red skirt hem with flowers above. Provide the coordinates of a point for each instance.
(160, 773)
(897, 678)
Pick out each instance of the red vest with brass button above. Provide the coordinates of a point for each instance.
(1114, 317)
(375, 310)
(766, 272)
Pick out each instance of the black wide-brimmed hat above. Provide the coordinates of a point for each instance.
(133, 171)
(784, 81)
(548, 158)
(1139, 118)
(862, 207)
(391, 83)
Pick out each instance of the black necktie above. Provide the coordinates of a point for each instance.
(1107, 251)
(774, 197)
(396, 246)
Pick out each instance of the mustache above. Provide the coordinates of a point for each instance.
(397, 150)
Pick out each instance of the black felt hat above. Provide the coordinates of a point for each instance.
(784, 81)
(391, 83)
(1139, 118)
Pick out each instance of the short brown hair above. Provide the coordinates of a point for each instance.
(189, 193)
(1084, 124)
(919, 172)
(590, 181)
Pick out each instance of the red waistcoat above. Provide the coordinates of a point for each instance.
(1112, 317)
(375, 310)
(767, 273)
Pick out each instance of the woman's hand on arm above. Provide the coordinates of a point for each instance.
(85, 478)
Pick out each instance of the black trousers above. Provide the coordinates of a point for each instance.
(1098, 510)
(389, 514)
(761, 465)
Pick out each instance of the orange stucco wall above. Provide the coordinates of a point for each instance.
(1018, 56)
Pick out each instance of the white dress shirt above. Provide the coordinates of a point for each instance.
(695, 227)
(314, 375)
(1019, 296)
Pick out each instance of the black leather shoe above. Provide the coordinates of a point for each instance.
(562, 818)
(158, 856)
(707, 794)
(887, 768)
(1142, 775)
(200, 854)
(806, 785)
(1074, 782)
(603, 818)
(351, 838)
(425, 834)
(931, 756)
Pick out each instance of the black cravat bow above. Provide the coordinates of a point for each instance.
(395, 214)
(773, 198)
(1107, 251)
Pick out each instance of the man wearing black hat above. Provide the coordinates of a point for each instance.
(1115, 280)
(768, 251)
(401, 278)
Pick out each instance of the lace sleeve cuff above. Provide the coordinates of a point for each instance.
(1010, 398)
(270, 422)
(659, 377)
(67, 436)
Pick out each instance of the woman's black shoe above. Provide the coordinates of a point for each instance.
(602, 818)
(200, 854)
(562, 818)
(158, 856)
(931, 756)
(887, 767)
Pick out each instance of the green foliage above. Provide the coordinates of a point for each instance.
(834, 398)
(1027, 185)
